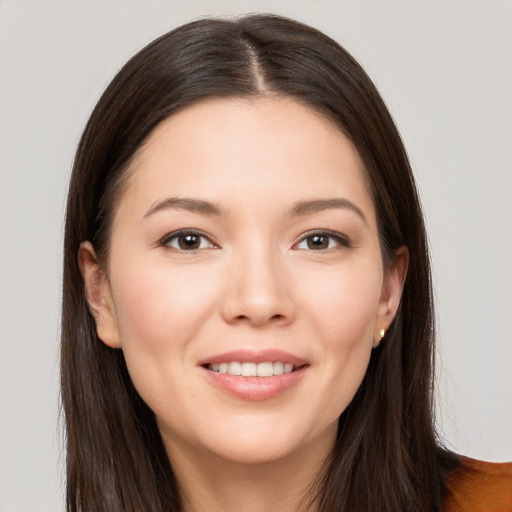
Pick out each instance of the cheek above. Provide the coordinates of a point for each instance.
(159, 314)
(156, 304)
(344, 304)
(343, 312)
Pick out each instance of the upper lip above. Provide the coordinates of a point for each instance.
(254, 356)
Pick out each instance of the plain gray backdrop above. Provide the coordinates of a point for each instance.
(445, 70)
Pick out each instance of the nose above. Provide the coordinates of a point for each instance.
(257, 291)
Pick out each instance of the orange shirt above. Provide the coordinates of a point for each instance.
(477, 486)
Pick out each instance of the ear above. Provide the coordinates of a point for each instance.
(99, 296)
(391, 294)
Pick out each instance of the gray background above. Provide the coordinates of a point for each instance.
(445, 70)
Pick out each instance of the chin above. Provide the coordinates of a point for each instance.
(255, 452)
(265, 442)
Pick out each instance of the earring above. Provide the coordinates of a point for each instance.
(381, 334)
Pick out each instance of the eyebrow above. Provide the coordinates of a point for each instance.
(300, 209)
(188, 204)
(319, 205)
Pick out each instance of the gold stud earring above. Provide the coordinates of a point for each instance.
(379, 337)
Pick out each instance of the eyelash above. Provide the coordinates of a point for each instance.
(166, 240)
(340, 239)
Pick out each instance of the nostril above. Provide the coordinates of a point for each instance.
(256, 308)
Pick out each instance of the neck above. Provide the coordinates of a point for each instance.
(213, 484)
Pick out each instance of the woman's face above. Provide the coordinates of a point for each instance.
(245, 242)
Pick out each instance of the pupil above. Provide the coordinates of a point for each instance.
(318, 242)
(188, 242)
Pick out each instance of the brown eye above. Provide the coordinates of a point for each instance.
(187, 241)
(323, 241)
(318, 242)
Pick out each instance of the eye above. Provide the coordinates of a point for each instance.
(187, 240)
(322, 241)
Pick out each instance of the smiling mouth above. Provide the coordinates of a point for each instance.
(247, 369)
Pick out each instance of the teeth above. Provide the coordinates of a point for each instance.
(249, 369)
(278, 368)
(266, 369)
(235, 368)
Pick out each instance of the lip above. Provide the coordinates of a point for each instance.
(255, 388)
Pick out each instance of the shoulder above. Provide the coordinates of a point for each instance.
(478, 486)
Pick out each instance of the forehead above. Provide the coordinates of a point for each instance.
(236, 150)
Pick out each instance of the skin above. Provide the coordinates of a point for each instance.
(256, 282)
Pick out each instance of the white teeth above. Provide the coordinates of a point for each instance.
(278, 368)
(235, 368)
(266, 369)
(249, 370)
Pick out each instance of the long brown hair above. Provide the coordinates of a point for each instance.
(387, 457)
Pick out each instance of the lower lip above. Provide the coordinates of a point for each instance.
(255, 388)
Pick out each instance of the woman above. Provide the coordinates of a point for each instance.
(249, 322)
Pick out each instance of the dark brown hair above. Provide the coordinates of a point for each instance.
(387, 456)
